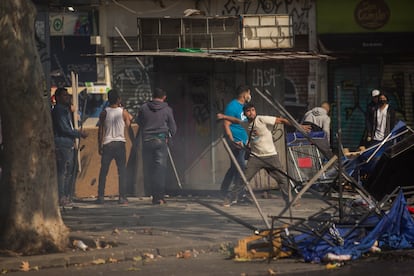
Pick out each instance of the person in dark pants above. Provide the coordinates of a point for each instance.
(383, 121)
(64, 136)
(157, 124)
(111, 141)
(236, 137)
(263, 154)
(369, 119)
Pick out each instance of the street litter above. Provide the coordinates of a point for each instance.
(80, 244)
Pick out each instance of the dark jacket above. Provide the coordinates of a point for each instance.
(63, 129)
(391, 121)
(156, 119)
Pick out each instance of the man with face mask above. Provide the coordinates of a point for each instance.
(383, 120)
(237, 138)
(263, 154)
(369, 119)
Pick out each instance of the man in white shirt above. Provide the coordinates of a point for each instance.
(263, 154)
(384, 120)
(111, 144)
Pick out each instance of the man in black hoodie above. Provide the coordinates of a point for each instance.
(156, 123)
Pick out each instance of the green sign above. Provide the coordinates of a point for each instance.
(360, 16)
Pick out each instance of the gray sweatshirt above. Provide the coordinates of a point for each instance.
(155, 118)
(319, 117)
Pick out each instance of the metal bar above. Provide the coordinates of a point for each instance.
(129, 46)
(174, 168)
(277, 106)
(236, 219)
(340, 153)
(236, 164)
(310, 183)
(75, 102)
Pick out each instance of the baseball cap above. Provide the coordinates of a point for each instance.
(375, 93)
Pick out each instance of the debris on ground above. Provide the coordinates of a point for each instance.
(184, 254)
(80, 244)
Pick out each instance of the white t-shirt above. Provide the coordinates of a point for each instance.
(379, 134)
(261, 140)
(114, 126)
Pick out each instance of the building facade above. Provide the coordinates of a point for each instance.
(104, 42)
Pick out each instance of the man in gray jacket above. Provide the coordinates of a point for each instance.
(156, 123)
(318, 117)
(319, 120)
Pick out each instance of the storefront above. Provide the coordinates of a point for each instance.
(372, 45)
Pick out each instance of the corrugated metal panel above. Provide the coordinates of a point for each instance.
(129, 77)
(397, 81)
(356, 83)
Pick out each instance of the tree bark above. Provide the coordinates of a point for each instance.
(30, 221)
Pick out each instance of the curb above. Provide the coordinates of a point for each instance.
(95, 256)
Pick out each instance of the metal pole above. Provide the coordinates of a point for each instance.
(340, 153)
(310, 183)
(75, 102)
(236, 164)
(278, 107)
(174, 168)
(129, 46)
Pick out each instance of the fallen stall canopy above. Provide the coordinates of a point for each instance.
(365, 163)
(394, 230)
(355, 234)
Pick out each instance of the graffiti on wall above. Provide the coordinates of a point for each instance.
(133, 83)
(394, 88)
(224, 92)
(265, 77)
(199, 97)
(355, 95)
(297, 9)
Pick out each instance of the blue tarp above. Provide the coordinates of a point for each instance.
(297, 138)
(394, 230)
(361, 165)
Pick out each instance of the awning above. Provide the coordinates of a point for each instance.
(244, 56)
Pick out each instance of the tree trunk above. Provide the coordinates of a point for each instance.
(30, 221)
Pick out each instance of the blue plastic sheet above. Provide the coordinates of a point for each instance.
(394, 230)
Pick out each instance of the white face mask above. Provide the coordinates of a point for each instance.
(248, 98)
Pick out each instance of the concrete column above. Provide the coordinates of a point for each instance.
(313, 65)
(317, 80)
(105, 43)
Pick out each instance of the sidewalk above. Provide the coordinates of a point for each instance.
(122, 232)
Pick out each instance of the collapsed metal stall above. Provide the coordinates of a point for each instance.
(344, 231)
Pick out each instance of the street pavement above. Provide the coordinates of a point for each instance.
(114, 232)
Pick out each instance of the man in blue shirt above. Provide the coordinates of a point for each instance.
(237, 139)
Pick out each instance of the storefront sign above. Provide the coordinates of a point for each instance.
(372, 14)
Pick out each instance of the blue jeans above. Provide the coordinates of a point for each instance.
(113, 150)
(232, 173)
(65, 162)
(155, 156)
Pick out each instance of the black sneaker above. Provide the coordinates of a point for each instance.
(159, 202)
(245, 199)
(228, 202)
(123, 201)
(100, 200)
